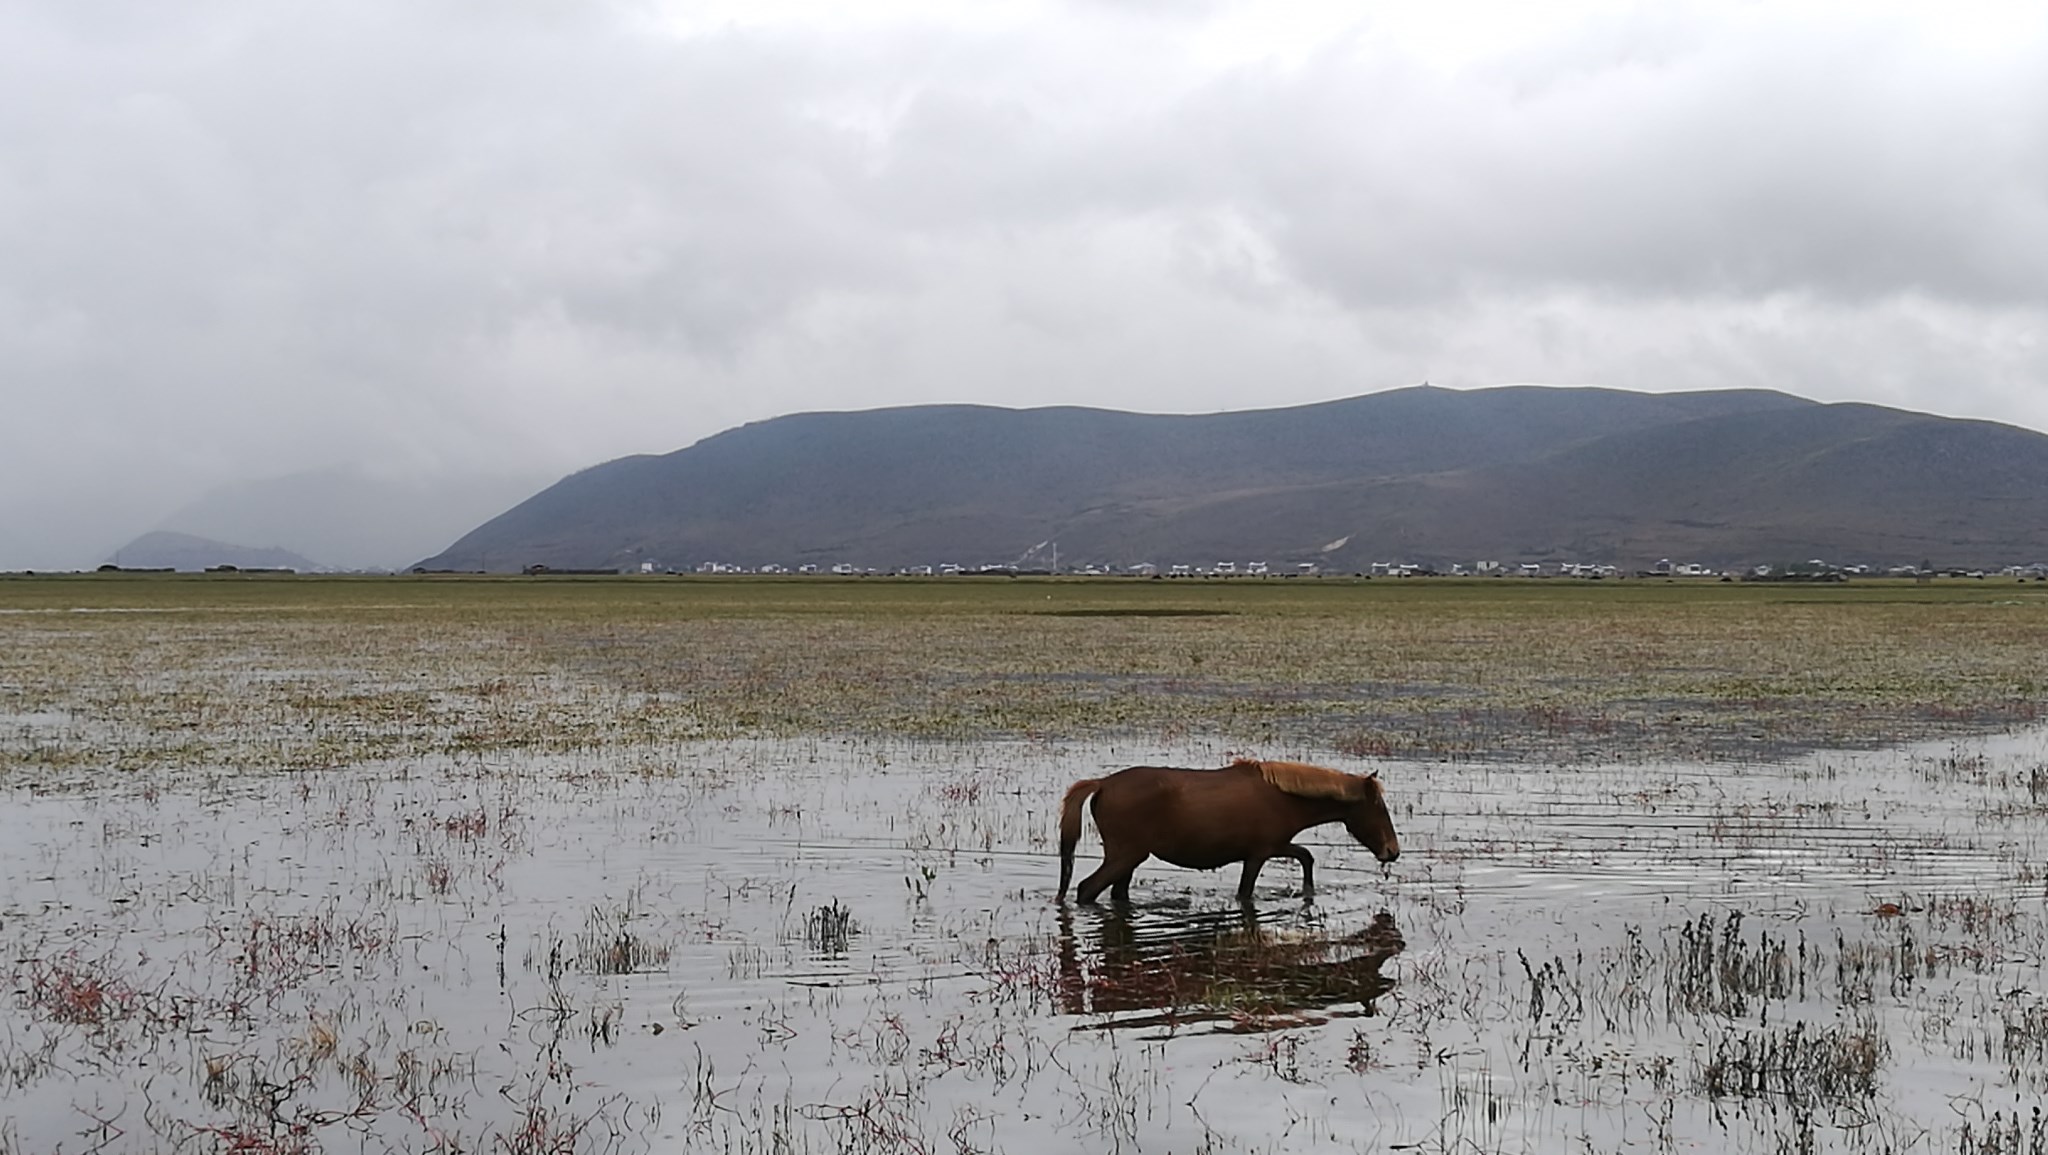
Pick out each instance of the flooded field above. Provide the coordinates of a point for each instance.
(851, 945)
(523, 867)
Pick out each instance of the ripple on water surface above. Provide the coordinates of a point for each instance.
(853, 946)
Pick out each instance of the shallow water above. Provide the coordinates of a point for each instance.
(852, 946)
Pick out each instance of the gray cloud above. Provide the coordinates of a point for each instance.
(1652, 160)
(239, 240)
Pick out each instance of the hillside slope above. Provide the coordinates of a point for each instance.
(1421, 474)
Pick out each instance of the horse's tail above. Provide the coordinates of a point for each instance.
(1070, 826)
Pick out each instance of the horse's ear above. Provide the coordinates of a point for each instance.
(1373, 777)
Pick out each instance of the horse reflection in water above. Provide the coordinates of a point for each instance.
(1222, 968)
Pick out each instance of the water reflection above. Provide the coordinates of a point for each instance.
(1222, 967)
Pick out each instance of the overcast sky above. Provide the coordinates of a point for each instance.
(242, 239)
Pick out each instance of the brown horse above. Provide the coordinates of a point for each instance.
(1246, 812)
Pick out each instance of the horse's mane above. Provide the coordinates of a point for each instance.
(1306, 781)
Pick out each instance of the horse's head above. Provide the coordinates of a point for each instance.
(1369, 822)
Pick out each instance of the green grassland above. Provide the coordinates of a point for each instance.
(238, 672)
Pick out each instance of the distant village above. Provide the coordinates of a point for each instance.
(1811, 570)
(1814, 569)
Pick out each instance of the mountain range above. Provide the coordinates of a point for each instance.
(1422, 474)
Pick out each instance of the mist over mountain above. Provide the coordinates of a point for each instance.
(1422, 474)
(190, 554)
(352, 518)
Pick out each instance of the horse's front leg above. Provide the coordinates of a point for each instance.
(1308, 868)
(1252, 866)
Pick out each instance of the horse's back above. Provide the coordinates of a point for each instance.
(1197, 818)
(1173, 786)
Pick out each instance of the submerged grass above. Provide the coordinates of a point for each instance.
(123, 672)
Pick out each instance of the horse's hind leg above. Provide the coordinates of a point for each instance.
(1116, 869)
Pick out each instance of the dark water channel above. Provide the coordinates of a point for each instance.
(851, 946)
